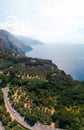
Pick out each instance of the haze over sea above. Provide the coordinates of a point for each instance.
(68, 57)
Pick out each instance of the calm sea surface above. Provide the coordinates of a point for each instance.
(68, 57)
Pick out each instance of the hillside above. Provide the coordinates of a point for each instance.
(41, 92)
(5, 118)
(29, 41)
(8, 41)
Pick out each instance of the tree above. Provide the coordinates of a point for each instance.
(3, 78)
(13, 123)
(65, 119)
(1, 98)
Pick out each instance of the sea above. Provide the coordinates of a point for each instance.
(68, 57)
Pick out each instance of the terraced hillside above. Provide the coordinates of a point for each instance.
(41, 92)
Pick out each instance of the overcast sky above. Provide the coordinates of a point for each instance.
(59, 21)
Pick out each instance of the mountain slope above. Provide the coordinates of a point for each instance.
(41, 92)
(3, 45)
(29, 41)
(7, 40)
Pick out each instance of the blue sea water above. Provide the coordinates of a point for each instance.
(68, 57)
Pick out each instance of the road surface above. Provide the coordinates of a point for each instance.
(1, 126)
(15, 115)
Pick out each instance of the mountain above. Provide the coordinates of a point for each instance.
(41, 92)
(4, 45)
(8, 41)
(29, 41)
(38, 90)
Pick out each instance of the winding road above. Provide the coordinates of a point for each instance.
(15, 115)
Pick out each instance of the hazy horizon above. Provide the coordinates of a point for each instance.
(58, 21)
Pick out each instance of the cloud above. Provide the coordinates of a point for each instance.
(49, 20)
(15, 26)
(62, 19)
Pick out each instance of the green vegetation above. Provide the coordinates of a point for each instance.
(56, 99)
(5, 117)
(41, 92)
(25, 66)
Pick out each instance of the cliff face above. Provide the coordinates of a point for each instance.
(7, 40)
(29, 41)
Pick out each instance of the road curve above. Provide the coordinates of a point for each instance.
(15, 115)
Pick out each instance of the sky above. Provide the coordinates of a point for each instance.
(51, 21)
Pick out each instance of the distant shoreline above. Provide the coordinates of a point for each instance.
(68, 58)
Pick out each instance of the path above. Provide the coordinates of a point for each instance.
(15, 115)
